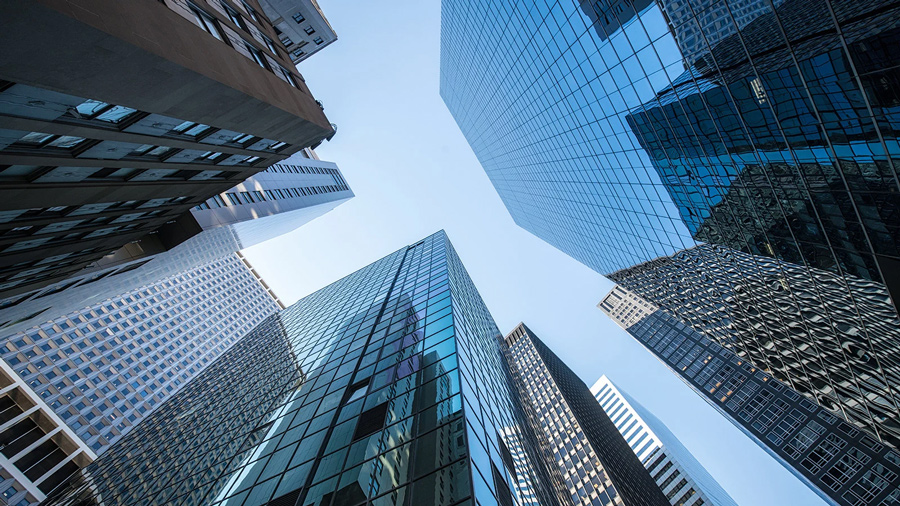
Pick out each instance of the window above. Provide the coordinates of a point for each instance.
(298, 53)
(286, 41)
(235, 17)
(190, 129)
(249, 160)
(318, 41)
(114, 173)
(298, 17)
(206, 22)
(309, 30)
(149, 150)
(257, 55)
(101, 111)
(287, 76)
(42, 140)
(370, 421)
(241, 139)
(209, 156)
(271, 45)
(357, 391)
(251, 11)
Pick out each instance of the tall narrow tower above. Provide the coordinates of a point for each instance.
(684, 481)
(582, 445)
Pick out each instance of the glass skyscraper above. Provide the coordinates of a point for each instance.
(583, 449)
(750, 144)
(678, 474)
(827, 337)
(387, 387)
(841, 463)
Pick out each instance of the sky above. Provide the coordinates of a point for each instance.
(414, 174)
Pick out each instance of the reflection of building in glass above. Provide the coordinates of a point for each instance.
(701, 24)
(832, 338)
(766, 127)
(785, 159)
(678, 474)
(838, 461)
(388, 385)
(142, 113)
(584, 449)
(266, 205)
(86, 378)
(608, 16)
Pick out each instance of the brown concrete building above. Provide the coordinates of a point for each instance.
(117, 117)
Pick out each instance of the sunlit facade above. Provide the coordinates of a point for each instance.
(683, 480)
(75, 384)
(583, 449)
(387, 387)
(750, 143)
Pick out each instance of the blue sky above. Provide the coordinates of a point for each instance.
(413, 173)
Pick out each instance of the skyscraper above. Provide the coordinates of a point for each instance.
(844, 465)
(584, 450)
(830, 338)
(266, 205)
(301, 26)
(678, 474)
(117, 118)
(387, 386)
(75, 384)
(755, 138)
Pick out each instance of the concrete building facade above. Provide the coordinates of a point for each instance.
(583, 450)
(74, 385)
(684, 480)
(301, 26)
(139, 111)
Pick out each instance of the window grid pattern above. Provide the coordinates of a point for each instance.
(281, 416)
(622, 132)
(657, 448)
(828, 452)
(106, 367)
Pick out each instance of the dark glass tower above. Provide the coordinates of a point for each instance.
(583, 447)
(827, 337)
(844, 465)
(752, 142)
(388, 387)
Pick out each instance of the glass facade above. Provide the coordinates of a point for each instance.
(585, 453)
(387, 387)
(751, 142)
(844, 465)
(543, 103)
(684, 480)
(830, 338)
